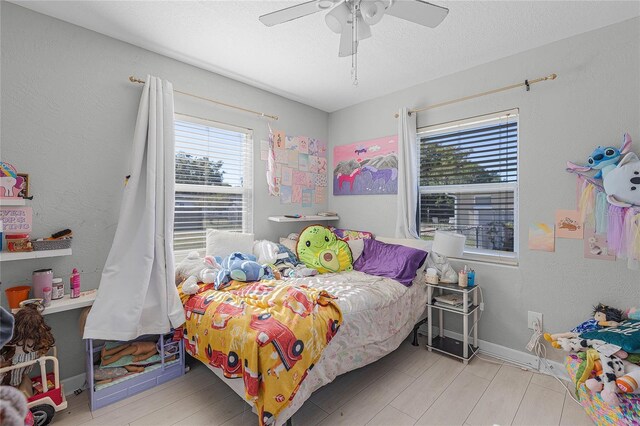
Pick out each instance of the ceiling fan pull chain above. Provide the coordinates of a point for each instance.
(354, 41)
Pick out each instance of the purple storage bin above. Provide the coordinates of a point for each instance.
(102, 395)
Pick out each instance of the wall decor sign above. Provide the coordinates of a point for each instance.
(366, 168)
(568, 224)
(541, 237)
(16, 220)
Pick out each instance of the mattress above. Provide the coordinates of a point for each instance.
(378, 314)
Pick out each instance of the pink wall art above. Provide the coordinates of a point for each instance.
(366, 168)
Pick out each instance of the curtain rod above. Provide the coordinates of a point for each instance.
(526, 83)
(261, 114)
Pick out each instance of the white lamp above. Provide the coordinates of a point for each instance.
(446, 244)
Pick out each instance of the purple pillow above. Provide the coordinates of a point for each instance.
(390, 260)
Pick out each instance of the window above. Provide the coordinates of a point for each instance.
(214, 180)
(469, 182)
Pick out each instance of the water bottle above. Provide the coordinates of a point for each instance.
(74, 284)
(471, 278)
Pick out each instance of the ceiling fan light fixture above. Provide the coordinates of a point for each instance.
(364, 30)
(338, 17)
(325, 4)
(372, 11)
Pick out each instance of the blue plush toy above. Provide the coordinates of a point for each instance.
(239, 267)
(603, 158)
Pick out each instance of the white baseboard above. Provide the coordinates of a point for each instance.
(512, 356)
(72, 383)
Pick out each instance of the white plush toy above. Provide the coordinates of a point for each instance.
(194, 269)
(626, 381)
(622, 184)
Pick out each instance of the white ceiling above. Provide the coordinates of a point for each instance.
(299, 59)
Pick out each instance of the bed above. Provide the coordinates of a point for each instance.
(377, 315)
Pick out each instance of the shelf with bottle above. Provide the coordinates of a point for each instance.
(85, 299)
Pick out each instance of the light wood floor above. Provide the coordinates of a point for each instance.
(411, 386)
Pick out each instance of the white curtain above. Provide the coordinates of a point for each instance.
(137, 293)
(407, 175)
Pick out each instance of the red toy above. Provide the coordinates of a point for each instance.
(44, 404)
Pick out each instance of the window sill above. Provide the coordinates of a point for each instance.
(500, 258)
(486, 256)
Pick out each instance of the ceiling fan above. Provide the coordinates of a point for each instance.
(340, 18)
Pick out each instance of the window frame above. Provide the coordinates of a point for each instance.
(247, 176)
(478, 254)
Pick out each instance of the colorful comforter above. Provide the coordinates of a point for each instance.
(269, 333)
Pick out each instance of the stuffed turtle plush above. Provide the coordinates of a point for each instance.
(320, 249)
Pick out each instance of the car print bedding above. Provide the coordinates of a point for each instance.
(378, 314)
(269, 333)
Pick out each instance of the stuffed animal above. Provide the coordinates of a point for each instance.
(622, 183)
(627, 377)
(633, 313)
(603, 316)
(320, 249)
(239, 267)
(605, 383)
(612, 367)
(266, 251)
(195, 269)
(603, 159)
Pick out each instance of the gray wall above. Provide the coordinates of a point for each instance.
(68, 114)
(594, 101)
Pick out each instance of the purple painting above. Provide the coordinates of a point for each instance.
(366, 168)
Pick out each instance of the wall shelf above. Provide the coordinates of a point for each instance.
(67, 303)
(11, 201)
(309, 218)
(86, 298)
(6, 256)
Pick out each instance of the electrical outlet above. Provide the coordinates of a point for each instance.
(532, 317)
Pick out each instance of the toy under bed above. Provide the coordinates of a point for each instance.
(627, 414)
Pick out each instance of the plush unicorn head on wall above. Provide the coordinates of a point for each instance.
(603, 159)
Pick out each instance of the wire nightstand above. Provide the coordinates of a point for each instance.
(450, 346)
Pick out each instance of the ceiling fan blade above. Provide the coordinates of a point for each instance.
(346, 42)
(290, 13)
(419, 12)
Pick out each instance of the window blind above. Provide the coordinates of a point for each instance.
(468, 181)
(213, 181)
(486, 154)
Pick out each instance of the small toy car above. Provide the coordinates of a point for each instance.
(48, 399)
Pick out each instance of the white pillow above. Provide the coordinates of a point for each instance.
(223, 243)
(357, 247)
(407, 242)
(290, 244)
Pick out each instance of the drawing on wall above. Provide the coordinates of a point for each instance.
(293, 167)
(596, 246)
(568, 224)
(366, 168)
(541, 237)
